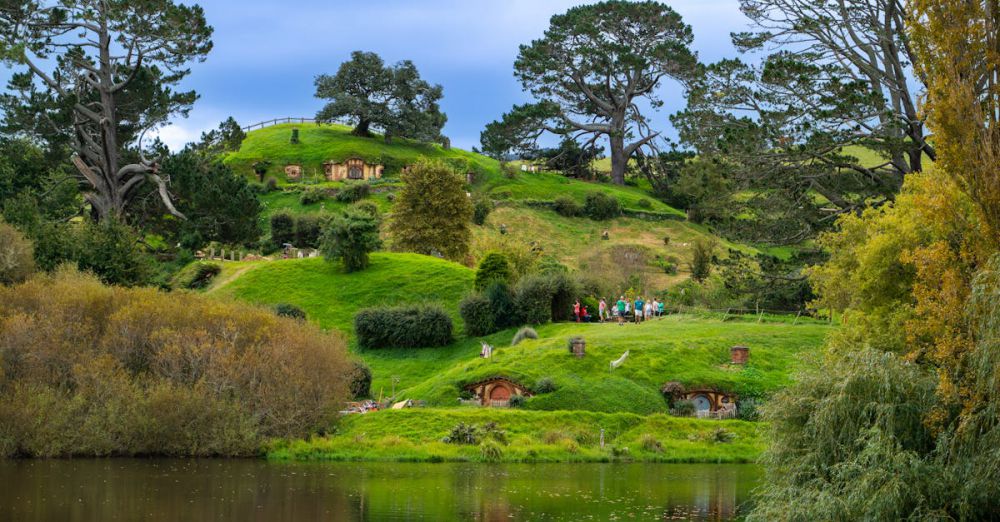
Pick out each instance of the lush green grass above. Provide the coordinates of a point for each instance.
(691, 350)
(546, 186)
(415, 435)
(331, 296)
(322, 143)
(576, 242)
(680, 348)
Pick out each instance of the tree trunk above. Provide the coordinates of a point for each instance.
(362, 128)
(618, 159)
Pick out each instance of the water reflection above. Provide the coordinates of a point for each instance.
(170, 490)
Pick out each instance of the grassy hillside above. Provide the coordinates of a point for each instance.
(415, 435)
(322, 143)
(331, 297)
(691, 350)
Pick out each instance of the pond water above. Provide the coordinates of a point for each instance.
(172, 490)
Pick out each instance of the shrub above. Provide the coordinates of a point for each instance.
(650, 443)
(477, 315)
(353, 191)
(644, 203)
(196, 275)
(545, 385)
(361, 380)
(567, 206)
(410, 326)
(282, 229)
(493, 267)
(481, 209)
(137, 385)
(600, 206)
(312, 195)
(505, 314)
(702, 251)
(564, 292)
(289, 310)
(350, 237)
(533, 299)
(112, 251)
(462, 433)
(524, 333)
(308, 230)
(17, 256)
(517, 401)
(367, 207)
(683, 408)
(492, 430)
(491, 451)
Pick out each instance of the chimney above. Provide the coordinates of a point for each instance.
(739, 354)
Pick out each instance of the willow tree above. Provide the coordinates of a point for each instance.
(99, 74)
(595, 74)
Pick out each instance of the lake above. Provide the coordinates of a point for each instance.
(175, 490)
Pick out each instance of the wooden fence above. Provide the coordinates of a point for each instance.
(277, 121)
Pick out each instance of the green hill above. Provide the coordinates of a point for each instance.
(687, 349)
(331, 297)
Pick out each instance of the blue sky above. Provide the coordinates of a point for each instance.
(267, 53)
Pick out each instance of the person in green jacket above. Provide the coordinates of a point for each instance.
(620, 305)
(638, 309)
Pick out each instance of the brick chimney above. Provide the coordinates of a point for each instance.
(739, 354)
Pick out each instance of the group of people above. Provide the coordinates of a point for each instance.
(640, 309)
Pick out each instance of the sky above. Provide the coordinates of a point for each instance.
(268, 52)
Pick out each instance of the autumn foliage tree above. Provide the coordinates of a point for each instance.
(432, 213)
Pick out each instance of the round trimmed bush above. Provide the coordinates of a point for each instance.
(477, 315)
(600, 206)
(494, 267)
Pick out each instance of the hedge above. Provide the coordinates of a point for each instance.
(411, 326)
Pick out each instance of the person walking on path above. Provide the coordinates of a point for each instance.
(638, 309)
(602, 309)
(621, 304)
(576, 310)
(647, 310)
(660, 308)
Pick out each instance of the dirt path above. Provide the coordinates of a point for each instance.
(231, 277)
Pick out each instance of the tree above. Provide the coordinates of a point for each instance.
(432, 212)
(351, 236)
(591, 71)
(99, 73)
(227, 138)
(831, 111)
(571, 159)
(219, 204)
(958, 59)
(393, 99)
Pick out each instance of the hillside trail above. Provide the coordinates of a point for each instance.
(232, 277)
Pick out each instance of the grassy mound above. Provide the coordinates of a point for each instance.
(321, 143)
(415, 435)
(686, 349)
(331, 297)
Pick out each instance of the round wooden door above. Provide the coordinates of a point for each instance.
(500, 393)
(701, 403)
